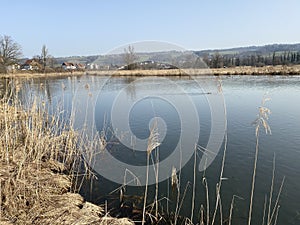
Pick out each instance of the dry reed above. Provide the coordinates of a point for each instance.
(40, 160)
(262, 120)
(39, 164)
(153, 143)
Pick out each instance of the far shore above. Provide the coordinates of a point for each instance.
(242, 70)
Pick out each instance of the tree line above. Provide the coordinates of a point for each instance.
(218, 60)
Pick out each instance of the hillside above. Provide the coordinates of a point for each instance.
(261, 50)
(274, 54)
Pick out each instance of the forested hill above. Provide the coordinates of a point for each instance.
(275, 54)
(261, 50)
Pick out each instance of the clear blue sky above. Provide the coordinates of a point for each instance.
(90, 27)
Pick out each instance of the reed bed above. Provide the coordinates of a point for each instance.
(40, 165)
(33, 74)
(239, 70)
(265, 70)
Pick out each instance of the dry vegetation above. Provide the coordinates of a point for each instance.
(27, 74)
(216, 213)
(240, 70)
(41, 166)
(37, 170)
(265, 70)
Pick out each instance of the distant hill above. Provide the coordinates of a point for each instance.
(259, 50)
(176, 57)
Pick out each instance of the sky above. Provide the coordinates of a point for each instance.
(93, 27)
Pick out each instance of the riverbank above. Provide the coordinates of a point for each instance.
(265, 70)
(37, 173)
(241, 70)
(42, 75)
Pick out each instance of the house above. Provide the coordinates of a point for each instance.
(72, 66)
(12, 68)
(92, 66)
(31, 64)
(80, 66)
(68, 66)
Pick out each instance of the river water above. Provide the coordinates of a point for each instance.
(188, 114)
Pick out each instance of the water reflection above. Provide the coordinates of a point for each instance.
(243, 96)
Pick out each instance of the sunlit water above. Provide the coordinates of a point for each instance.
(242, 95)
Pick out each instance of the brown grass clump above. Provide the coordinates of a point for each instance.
(38, 165)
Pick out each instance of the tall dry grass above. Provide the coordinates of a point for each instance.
(41, 163)
(261, 122)
(217, 215)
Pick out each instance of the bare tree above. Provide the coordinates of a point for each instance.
(129, 57)
(10, 51)
(45, 57)
(217, 61)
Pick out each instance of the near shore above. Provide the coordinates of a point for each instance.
(37, 173)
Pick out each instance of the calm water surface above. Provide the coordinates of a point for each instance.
(243, 96)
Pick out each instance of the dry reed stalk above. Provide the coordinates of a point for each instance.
(265, 208)
(277, 201)
(153, 143)
(230, 211)
(156, 172)
(183, 197)
(231, 207)
(219, 184)
(174, 179)
(271, 190)
(168, 196)
(146, 190)
(156, 183)
(178, 188)
(202, 215)
(276, 216)
(204, 182)
(207, 195)
(194, 184)
(221, 210)
(261, 120)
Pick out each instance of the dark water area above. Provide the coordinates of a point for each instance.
(186, 106)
